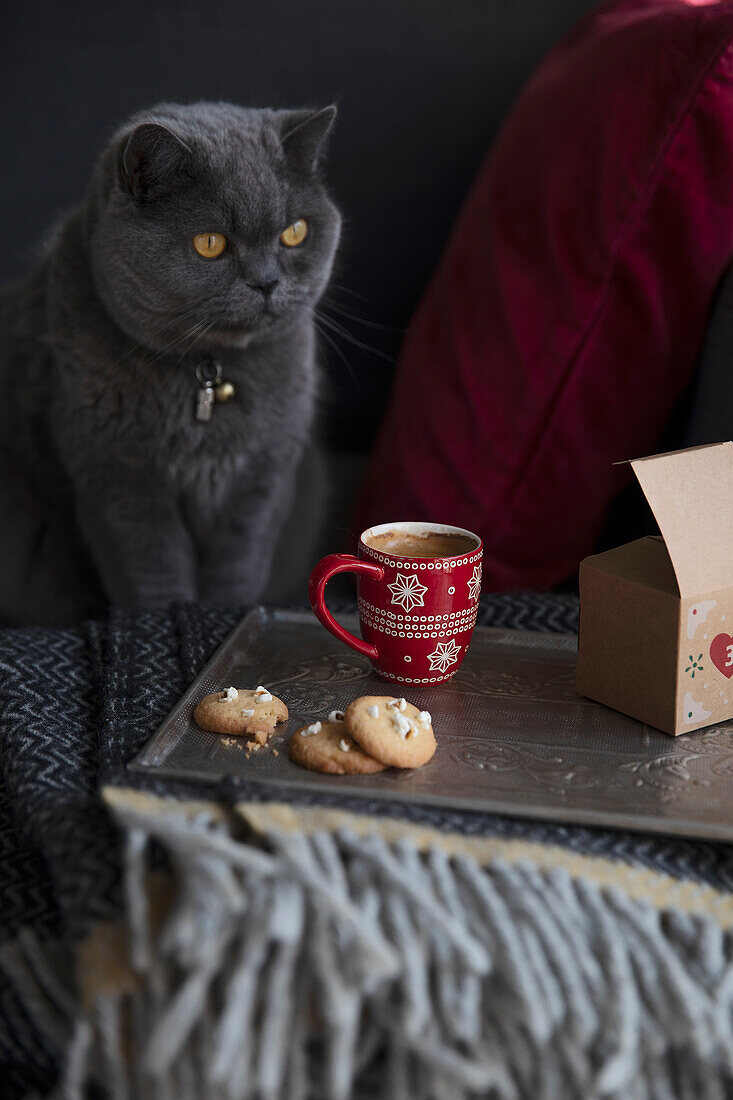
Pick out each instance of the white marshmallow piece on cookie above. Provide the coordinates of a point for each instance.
(402, 725)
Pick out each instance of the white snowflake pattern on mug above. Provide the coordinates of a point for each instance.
(474, 585)
(407, 591)
(443, 656)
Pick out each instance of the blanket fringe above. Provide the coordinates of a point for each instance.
(332, 966)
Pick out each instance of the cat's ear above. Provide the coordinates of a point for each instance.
(303, 134)
(152, 159)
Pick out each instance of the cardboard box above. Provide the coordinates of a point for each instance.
(656, 615)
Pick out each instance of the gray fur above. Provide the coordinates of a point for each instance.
(110, 487)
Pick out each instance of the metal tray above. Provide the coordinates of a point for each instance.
(514, 737)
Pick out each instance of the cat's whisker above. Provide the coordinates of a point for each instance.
(355, 317)
(195, 331)
(171, 345)
(340, 354)
(346, 335)
(153, 332)
(348, 290)
(146, 362)
(205, 328)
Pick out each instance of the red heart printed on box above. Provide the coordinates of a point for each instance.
(721, 654)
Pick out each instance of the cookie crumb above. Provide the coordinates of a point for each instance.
(344, 745)
(228, 695)
(336, 716)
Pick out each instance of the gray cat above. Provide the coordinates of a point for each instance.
(189, 273)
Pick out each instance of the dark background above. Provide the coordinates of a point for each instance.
(421, 88)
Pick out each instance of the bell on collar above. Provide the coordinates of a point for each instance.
(211, 388)
(224, 391)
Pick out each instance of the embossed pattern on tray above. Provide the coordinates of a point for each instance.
(514, 737)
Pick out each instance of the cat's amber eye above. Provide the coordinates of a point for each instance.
(209, 245)
(295, 233)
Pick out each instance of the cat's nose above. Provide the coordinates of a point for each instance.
(266, 288)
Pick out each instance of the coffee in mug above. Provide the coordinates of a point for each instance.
(418, 589)
(421, 544)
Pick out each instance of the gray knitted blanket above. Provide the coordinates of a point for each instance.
(154, 944)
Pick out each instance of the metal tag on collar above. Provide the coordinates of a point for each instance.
(208, 376)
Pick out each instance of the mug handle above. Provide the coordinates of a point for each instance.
(328, 567)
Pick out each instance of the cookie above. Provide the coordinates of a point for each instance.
(327, 747)
(391, 730)
(244, 713)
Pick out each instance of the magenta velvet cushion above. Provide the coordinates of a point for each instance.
(563, 322)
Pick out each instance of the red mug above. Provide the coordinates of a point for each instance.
(416, 613)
